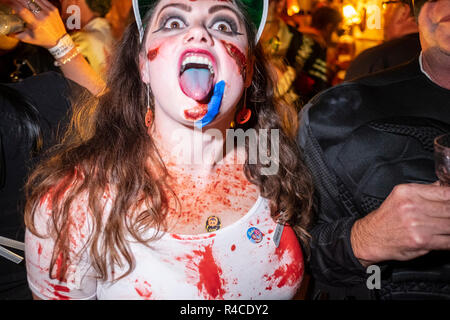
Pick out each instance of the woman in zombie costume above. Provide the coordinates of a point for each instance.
(144, 200)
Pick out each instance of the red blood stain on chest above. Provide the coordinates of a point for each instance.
(290, 259)
(223, 191)
(237, 55)
(152, 54)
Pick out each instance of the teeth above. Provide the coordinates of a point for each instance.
(197, 60)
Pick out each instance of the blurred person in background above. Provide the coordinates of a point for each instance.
(275, 41)
(304, 50)
(119, 17)
(20, 60)
(401, 41)
(33, 114)
(95, 39)
(369, 145)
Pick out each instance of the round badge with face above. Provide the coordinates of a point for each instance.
(212, 224)
(255, 235)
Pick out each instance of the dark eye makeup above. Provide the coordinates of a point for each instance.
(229, 21)
(170, 17)
(221, 23)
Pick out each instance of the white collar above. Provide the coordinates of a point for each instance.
(421, 67)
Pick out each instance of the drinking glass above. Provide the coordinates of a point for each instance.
(442, 159)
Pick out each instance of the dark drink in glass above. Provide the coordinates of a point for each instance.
(442, 159)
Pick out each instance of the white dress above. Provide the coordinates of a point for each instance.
(239, 261)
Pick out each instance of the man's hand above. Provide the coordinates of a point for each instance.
(44, 28)
(413, 220)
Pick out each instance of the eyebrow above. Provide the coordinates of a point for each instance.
(181, 6)
(222, 7)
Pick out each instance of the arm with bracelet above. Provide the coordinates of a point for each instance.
(46, 29)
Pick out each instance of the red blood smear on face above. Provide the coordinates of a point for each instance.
(152, 54)
(210, 274)
(237, 55)
(197, 112)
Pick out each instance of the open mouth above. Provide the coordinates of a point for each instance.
(197, 73)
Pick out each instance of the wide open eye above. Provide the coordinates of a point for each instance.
(174, 23)
(225, 25)
(222, 26)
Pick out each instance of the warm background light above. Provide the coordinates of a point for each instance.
(350, 15)
(293, 7)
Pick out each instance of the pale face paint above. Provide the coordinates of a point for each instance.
(190, 26)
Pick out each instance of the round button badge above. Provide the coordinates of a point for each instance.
(212, 224)
(254, 235)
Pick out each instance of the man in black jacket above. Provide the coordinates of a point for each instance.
(369, 144)
(401, 42)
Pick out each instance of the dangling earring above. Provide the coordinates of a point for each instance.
(149, 114)
(243, 116)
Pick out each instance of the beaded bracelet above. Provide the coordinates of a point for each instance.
(68, 59)
(64, 46)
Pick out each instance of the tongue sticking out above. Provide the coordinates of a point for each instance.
(196, 83)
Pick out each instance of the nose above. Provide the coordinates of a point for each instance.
(198, 34)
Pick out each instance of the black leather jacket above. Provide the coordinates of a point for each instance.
(360, 139)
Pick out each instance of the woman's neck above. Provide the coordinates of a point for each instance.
(189, 149)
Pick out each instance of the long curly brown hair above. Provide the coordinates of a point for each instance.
(107, 147)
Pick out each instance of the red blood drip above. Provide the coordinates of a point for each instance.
(233, 247)
(237, 55)
(210, 274)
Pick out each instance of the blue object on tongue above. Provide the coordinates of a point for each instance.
(213, 105)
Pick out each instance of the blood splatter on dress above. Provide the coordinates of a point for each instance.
(239, 261)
